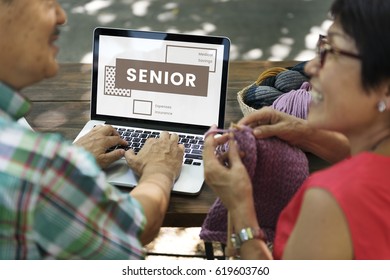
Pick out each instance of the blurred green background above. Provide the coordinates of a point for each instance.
(258, 29)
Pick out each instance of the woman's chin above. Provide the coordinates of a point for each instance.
(316, 118)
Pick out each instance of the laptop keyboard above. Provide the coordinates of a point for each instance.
(193, 144)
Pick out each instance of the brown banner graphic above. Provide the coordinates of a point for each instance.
(161, 77)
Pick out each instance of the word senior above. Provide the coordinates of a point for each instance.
(152, 76)
(160, 77)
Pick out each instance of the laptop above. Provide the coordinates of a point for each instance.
(144, 82)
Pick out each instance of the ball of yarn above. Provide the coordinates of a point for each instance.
(272, 83)
(269, 73)
(294, 102)
(259, 96)
(289, 80)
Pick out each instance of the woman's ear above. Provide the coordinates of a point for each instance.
(384, 91)
(386, 85)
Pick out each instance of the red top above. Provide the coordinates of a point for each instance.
(361, 186)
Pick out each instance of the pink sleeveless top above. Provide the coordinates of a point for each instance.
(361, 186)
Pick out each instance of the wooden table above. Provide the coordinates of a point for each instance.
(61, 104)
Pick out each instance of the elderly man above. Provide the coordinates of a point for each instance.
(54, 200)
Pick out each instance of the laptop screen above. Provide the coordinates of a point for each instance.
(159, 77)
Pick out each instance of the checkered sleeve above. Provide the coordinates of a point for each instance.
(55, 202)
(79, 215)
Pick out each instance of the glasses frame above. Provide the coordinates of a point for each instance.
(323, 48)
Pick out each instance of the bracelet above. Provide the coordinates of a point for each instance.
(246, 234)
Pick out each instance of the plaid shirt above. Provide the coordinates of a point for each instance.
(54, 199)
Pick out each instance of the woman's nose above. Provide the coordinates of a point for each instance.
(312, 67)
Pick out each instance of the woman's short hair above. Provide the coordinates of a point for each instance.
(367, 22)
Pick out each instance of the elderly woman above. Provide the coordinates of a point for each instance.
(340, 212)
(55, 202)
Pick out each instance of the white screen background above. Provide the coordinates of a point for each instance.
(177, 108)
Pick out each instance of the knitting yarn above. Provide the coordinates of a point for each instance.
(300, 67)
(246, 141)
(259, 96)
(289, 80)
(294, 102)
(272, 83)
(269, 73)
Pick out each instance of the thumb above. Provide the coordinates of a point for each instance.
(264, 131)
(129, 156)
(104, 160)
(115, 154)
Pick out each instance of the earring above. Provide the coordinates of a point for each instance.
(381, 106)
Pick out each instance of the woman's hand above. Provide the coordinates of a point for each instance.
(268, 122)
(328, 145)
(227, 176)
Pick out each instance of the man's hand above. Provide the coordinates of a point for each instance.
(98, 140)
(158, 155)
(158, 164)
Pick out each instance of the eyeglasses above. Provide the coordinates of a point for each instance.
(323, 48)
